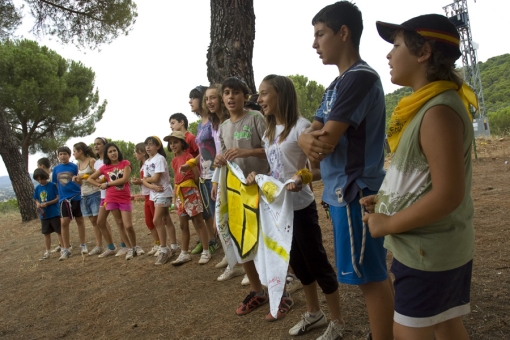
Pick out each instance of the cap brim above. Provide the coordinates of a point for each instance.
(387, 30)
(167, 138)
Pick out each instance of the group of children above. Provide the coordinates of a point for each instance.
(421, 209)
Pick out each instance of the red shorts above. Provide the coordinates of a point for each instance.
(192, 202)
(148, 209)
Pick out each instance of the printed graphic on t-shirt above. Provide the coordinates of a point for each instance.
(64, 177)
(43, 196)
(244, 134)
(275, 160)
(116, 174)
(150, 168)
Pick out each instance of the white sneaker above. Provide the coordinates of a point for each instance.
(223, 263)
(292, 283)
(84, 249)
(231, 273)
(204, 258)
(307, 323)
(130, 254)
(45, 256)
(64, 255)
(153, 251)
(95, 251)
(182, 259)
(333, 332)
(162, 257)
(70, 247)
(122, 251)
(139, 251)
(107, 252)
(57, 249)
(245, 281)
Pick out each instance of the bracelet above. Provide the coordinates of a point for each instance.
(306, 175)
(192, 163)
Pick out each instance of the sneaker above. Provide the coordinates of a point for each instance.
(156, 254)
(223, 263)
(198, 249)
(153, 251)
(95, 251)
(245, 281)
(130, 254)
(84, 249)
(334, 332)
(251, 302)
(138, 250)
(70, 247)
(292, 283)
(162, 257)
(57, 249)
(174, 251)
(231, 272)
(213, 247)
(286, 304)
(64, 255)
(122, 251)
(204, 258)
(182, 259)
(45, 256)
(307, 323)
(107, 252)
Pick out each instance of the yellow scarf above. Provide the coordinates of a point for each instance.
(409, 106)
(189, 183)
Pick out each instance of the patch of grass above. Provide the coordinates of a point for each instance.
(9, 206)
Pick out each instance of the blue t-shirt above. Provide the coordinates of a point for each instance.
(356, 98)
(46, 193)
(63, 177)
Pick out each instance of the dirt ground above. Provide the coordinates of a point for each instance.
(90, 298)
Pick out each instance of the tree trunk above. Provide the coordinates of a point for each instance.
(17, 169)
(232, 36)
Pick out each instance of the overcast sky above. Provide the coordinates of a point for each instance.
(147, 75)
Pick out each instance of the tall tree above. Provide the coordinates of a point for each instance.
(46, 98)
(83, 23)
(232, 34)
(309, 95)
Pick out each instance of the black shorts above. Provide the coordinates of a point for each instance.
(70, 210)
(308, 257)
(51, 225)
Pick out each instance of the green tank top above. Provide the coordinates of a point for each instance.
(445, 244)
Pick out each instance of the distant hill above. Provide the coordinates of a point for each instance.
(6, 190)
(495, 74)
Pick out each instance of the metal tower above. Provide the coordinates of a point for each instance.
(457, 12)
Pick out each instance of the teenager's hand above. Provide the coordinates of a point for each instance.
(234, 153)
(220, 161)
(158, 188)
(77, 179)
(251, 178)
(103, 186)
(38, 205)
(184, 169)
(297, 186)
(214, 191)
(314, 149)
(378, 224)
(368, 203)
(136, 181)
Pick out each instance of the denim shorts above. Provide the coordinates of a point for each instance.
(90, 204)
(164, 202)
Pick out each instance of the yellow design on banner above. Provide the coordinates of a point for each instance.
(276, 248)
(243, 211)
(269, 190)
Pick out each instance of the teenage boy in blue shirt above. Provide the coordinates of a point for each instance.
(347, 137)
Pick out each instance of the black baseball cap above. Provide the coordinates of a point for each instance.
(434, 27)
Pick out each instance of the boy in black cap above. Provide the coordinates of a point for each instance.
(424, 207)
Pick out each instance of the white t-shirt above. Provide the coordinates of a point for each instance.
(98, 164)
(145, 191)
(286, 158)
(154, 165)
